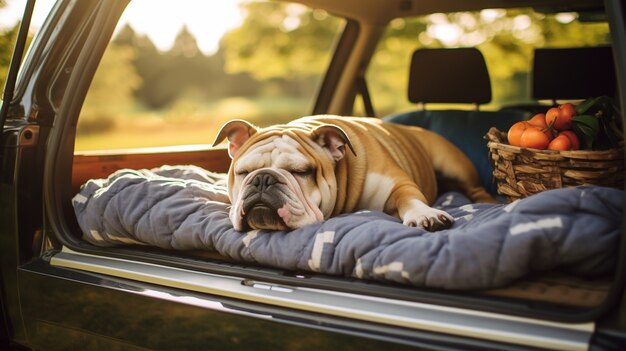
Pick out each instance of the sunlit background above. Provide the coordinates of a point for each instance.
(208, 21)
(172, 74)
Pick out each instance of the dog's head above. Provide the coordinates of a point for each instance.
(282, 177)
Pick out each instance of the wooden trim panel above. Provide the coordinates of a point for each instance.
(99, 164)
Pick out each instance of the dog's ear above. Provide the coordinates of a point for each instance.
(334, 139)
(237, 131)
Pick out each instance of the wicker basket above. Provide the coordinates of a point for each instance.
(520, 172)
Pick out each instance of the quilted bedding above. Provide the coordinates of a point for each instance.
(490, 245)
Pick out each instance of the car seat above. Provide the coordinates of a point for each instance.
(456, 75)
(569, 74)
(573, 73)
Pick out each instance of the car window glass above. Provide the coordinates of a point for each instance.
(175, 76)
(506, 38)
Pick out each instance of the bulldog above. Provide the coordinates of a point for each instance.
(287, 176)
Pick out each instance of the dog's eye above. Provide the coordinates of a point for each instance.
(304, 172)
(242, 173)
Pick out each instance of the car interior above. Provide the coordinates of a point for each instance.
(448, 76)
(433, 80)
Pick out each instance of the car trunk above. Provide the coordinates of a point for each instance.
(539, 293)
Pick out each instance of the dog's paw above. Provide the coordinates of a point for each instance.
(427, 218)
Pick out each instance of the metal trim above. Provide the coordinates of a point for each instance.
(405, 314)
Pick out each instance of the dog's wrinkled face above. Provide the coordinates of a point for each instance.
(276, 186)
(280, 178)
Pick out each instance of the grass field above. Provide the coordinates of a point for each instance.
(186, 122)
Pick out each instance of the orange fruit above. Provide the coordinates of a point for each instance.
(535, 138)
(552, 115)
(561, 143)
(538, 120)
(567, 110)
(515, 132)
(573, 138)
(560, 118)
(548, 132)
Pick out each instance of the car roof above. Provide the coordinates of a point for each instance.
(382, 11)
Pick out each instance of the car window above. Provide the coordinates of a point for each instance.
(176, 76)
(506, 38)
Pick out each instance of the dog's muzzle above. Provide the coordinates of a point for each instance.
(271, 199)
(263, 191)
(262, 196)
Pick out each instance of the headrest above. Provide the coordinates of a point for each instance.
(449, 76)
(573, 73)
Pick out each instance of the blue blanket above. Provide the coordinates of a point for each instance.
(490, 245)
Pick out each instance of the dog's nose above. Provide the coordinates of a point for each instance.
(264, 180)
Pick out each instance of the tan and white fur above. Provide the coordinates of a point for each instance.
(287, 176)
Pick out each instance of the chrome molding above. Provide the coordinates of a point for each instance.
(405, 314)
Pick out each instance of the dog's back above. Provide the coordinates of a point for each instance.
(426, 157)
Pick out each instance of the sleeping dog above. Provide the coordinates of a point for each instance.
(287, 176)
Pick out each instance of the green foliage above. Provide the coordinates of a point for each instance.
(586, 127)
(598, 124)
(182, 71)
(299, 49)
(111, 90)
(7, 42)
(388, 77)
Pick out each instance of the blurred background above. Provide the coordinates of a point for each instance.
(172, 74)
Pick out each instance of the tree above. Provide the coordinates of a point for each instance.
(150, 65)
(185, 44)
(7, 42)
(278, 40)
(182, 71)
(111, 92)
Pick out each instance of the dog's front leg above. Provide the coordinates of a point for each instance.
(411, 206)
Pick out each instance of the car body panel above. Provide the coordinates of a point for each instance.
(419, 316)
(80, 311)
